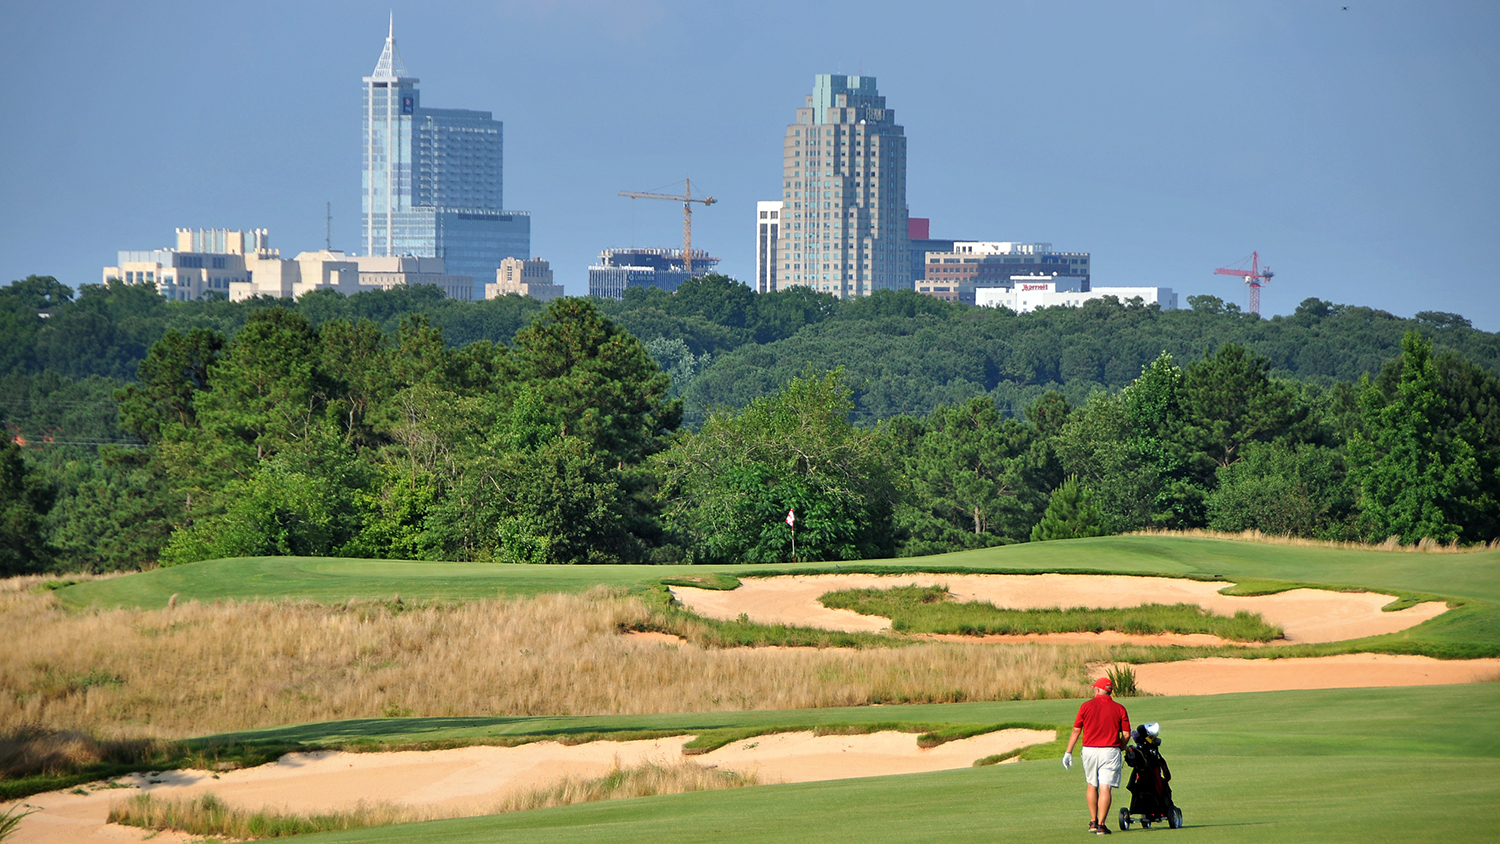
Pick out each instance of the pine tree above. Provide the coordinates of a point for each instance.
(1071, 514)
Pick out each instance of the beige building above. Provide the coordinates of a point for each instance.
(241, 265)
(206, 262)
(524, 278)
(382, 272)
(844, 216)
(348, 274)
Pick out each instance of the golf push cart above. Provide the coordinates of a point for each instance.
(1149, 785)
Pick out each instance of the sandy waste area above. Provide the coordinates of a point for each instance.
(471, 779)
(1304, 615)
(1223, 675)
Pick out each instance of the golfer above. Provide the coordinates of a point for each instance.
(1105, 727)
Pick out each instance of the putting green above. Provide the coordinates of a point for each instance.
(1405, 764)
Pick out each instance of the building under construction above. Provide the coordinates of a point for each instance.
(665, 268)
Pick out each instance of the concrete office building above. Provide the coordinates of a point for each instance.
(383, 272)
(621, 268)
(331, 269)
(844, 215)
(767, 233)
(970, 265)
(531, 278)
(1043, 291)
(433, 178)
(241, 265)
(204, 263)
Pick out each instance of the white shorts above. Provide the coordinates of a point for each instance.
(1101, 766)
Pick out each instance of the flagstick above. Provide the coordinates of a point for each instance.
(794, 543)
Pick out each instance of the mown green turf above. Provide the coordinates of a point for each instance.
(930, 609)
(1417, 764)
(1473, 578)
(1473, 575)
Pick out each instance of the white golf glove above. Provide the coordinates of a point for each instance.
(1067, 761)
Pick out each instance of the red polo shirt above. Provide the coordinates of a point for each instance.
(1102, 721)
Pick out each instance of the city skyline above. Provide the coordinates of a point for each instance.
(1352, 152)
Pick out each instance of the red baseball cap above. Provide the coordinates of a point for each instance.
(1105, 684)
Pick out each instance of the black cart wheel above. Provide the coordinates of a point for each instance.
(1174, 819)
(1145, 824)
(1124, 819)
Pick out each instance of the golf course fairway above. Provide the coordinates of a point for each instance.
(1404, 765)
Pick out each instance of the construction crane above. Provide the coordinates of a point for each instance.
(1256, 277)
(687, 199)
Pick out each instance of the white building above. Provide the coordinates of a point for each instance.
(767, 228)
(1037, 291)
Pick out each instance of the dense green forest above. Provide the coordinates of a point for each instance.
(666, 428)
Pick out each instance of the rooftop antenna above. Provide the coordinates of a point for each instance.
(328, 226)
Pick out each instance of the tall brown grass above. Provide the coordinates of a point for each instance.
(208, 815)
(1425, 546)
(199, 669)
(645, 780)
(33, 582)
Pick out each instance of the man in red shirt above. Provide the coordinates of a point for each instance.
(1105, 727)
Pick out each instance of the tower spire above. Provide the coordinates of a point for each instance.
(390, 66)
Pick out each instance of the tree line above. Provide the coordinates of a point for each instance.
(359, 427)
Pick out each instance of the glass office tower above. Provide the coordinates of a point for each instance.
(433, 183)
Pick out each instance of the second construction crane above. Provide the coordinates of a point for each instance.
(687, 199)
(1256, 277)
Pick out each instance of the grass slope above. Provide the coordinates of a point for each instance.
(1473, 578)
(1417, 764)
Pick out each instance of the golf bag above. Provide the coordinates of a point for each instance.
(1150, 783)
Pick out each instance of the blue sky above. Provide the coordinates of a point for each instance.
(1358, 150)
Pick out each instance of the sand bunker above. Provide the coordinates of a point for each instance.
(1306, 615)
(471, 779)
(1223, 675)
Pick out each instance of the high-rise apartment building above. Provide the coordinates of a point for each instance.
(844, 215)
(767, 233)
(433, 178)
